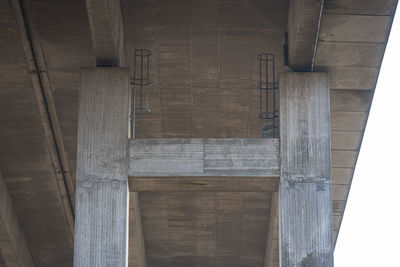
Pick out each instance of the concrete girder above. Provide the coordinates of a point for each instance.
(107, 31)
(213, 157)
(223, 164)
(13, 247)
(302, 26)
(43, 95)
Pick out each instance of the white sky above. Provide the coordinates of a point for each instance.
(370, 232)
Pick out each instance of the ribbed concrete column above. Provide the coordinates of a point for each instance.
(305, 188)
(101, 225)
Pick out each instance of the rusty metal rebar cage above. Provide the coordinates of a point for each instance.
(268, 89)
(140, 85)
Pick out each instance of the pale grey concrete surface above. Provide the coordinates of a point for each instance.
(204, 157)
(102, 194)
(305, 207)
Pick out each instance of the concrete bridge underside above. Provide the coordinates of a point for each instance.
(204, 74)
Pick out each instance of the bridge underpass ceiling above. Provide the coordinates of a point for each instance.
(204, 73)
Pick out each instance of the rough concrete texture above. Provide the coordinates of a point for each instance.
(305, 208)
(102, 195)
(204, 157)
(204, 79)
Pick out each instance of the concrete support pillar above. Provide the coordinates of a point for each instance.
(305, 207)
(101, 223)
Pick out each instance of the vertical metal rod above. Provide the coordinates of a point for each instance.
(260, 89)
(147, 80)
(133, 97)
(148, 67)
(147, 99)
(274, 101)
(133, 113)
(266, 90)
(141, 81)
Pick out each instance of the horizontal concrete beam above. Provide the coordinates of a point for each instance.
(242, 165)
(204, 157)
(204, 184)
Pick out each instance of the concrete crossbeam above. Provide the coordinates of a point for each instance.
(204, 184)
(204, 157)
(230, 165)
(13, 246)
(305, 206)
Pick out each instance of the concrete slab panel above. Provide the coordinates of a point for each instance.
(205, 43)
(349, 54)
(353, 28)
(336, 220)
(343, 158)
(205, 105)
(338, 207)
(205, 224)
(176, 107)
(346, 140)
(348, 121)
(235, 53)
(355, 78)
(231, 132)
(342, 175)
(238, 16)
(350, 100)
(233, 108)
(173, 40)
(271, 14)
(339, 192)
(360, 7)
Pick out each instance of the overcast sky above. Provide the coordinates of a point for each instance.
(370, 232)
